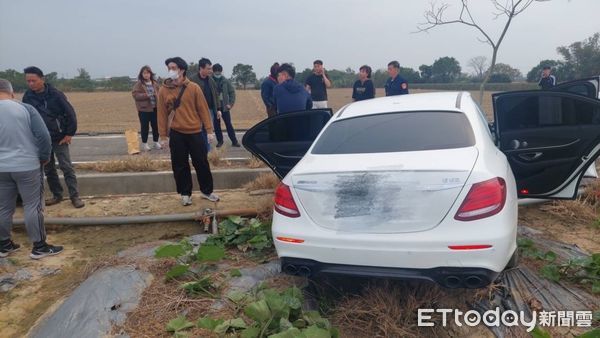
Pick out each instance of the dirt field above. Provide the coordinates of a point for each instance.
(115, 111)
(86, 247)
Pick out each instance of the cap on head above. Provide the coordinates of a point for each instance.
(181, 64)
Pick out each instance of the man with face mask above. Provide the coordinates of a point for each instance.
(182, 115)
(225, 101)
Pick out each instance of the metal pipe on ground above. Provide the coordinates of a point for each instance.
(118, 220)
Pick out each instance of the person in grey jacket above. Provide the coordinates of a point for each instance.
(225, 102)
(24, 147)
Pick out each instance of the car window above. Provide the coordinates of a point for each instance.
(395, 132)
(292, 128)
(539, 111)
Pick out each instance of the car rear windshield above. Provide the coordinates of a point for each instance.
(395, 132)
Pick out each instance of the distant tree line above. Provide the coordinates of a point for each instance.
(579, 60)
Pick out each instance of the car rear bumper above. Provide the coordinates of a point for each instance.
(450, 277)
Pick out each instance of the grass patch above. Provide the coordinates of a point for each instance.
(263, 182)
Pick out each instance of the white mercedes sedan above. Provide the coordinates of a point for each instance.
(421, 186)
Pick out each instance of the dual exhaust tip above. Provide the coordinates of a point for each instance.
(451, 281)
(297, 270)
(465, 281)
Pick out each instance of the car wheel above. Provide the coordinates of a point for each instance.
(514, 260)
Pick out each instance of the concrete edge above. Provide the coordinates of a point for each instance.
(99, 184)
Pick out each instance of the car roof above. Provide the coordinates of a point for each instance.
(434, 101)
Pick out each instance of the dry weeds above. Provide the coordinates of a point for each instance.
(583, 209)
(130, 164)
(387, 310)
(264, 181)
(146, 163)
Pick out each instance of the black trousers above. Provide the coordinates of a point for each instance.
(226, 117)
(183, 146)
(146, 119)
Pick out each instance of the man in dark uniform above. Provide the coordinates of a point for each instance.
(395, 84)
(547, 81)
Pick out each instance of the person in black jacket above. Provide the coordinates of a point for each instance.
(60, 119)
(548, 81)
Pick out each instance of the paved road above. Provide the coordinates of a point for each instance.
(106, 147)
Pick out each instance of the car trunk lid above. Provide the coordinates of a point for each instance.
(382, 193)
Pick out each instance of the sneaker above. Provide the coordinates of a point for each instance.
(236, 144)
(219, 144)
(45, 250)
(145, 147)
(212, 197)
(8, 247)
(77, 202)
(186, 200)
(54, 200)
(156, 146)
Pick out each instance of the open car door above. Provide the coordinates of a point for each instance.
(282, 140)
(549, 138)
(589, 87)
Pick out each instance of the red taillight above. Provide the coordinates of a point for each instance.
(469, 247)
(290, 240)
(483, 200)
(284, 202)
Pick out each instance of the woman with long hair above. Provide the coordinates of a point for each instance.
(145, 93)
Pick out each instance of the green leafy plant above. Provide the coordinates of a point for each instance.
(179, 324)
(194, 265)
(279, 314)
(595, 333)
(579, 270)
(247, 235)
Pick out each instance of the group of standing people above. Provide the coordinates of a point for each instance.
(218, 92)
(281, 93)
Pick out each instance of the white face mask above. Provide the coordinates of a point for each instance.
(173, 74)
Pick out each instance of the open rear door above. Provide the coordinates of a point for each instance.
(549, 138)
(589, 87)
(282, 140)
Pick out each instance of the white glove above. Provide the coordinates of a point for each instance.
(211, 138)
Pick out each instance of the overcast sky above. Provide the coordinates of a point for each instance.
(117, 37)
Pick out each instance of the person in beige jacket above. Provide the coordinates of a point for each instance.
(182, 114)
(144, 94)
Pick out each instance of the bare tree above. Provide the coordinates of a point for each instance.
(479, 64)
(504, 8)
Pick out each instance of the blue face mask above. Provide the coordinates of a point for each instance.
(217, 76)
